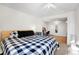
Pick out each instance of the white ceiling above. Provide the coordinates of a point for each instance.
(38, 10)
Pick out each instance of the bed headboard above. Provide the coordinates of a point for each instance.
(5, 34)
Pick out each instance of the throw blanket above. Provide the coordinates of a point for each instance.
(31, 45)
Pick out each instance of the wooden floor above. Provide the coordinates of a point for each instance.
(63, 50)
(61, 39)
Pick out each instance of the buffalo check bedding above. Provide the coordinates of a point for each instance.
(31, 45)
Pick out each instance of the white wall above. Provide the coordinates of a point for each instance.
(62, 28)
(77, 24)
(71, 28)
(11, 19)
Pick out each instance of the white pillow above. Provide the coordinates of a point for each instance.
(14, 34)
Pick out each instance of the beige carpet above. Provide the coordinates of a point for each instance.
(63, 50)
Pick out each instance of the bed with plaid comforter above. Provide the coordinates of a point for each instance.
(32, 45)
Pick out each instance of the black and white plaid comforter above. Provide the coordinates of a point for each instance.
(32, 45)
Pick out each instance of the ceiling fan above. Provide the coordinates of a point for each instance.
(49, 5)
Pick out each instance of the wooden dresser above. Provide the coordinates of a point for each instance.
(61, 39)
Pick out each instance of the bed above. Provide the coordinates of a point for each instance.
(30, 44)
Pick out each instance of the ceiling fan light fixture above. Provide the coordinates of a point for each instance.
(50, 5)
